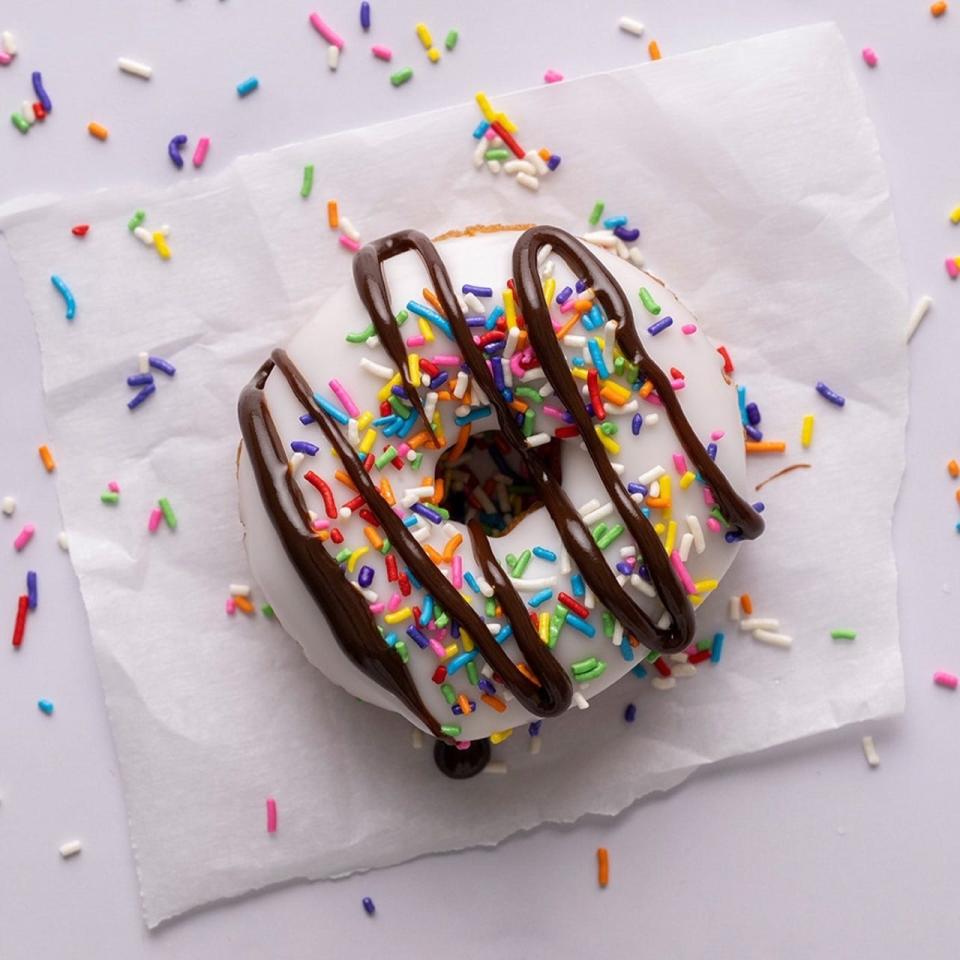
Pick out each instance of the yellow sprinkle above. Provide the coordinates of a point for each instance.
(955, 215)
(806, 431)
(501, 735)
(506, 122)
(614, 393)
(364, 420)
(413, 365)
(705, 586)
(398, 616)
(510, 309)
(423, 32)
(665, 489)
(465, 641)
(450, 650)
(160, 242)
(579, 372)
(369, 439)
(659, 529)
(485, 108)
(696, 601)
(386, 389)
(425, 330)
(433, 54)
(549, 289)
(687, 479)
(609, 443)
(355, 556)
(671, 540)
(543, 627)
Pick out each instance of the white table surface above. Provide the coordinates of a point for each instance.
(799, 852)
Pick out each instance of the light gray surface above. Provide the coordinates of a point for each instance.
(799, 852)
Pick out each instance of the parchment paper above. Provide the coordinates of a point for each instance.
(755, 175)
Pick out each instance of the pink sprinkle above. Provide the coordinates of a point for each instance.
(200, 154)
(351, 245)
(456, 571)
(320, 524)
(329, 35)
(713, 524)
(717, 435)
(437, 647)
(418, 341)
(708, 497)
(567, 305)
(5, 58)
(869, 56)
(554, 412)
(552, 76)
(654, 399)
(515, 367)
(951, 264)
(689, 328)
(680, 463)
(678, 384)
(24, 536)
(943, 679)
(403, 450)
(377, 608)
(462, 744)
(156, 515)
(381, 52)
(394, 602)
(490, 133)
(113, 486)
(231, 606)
(682, 573)
(445, 360)
(341, 394)
(271, 815)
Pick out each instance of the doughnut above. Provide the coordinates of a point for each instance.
(493, 475)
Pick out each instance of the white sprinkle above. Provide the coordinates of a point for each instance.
(546, 270)
(774, 639)
(239, 589)
(348, 229)
(631, 26)
(733, 611)
(609, 340)
(589, 600)
(870, 752)
(655, 473)
(622, 252)
(431, 405)
(759, 623)
(474, 306)
(651, 419)
(630, 551)
(450, 530)
(525, 180)
(70, 849)
(547, 389)
(600, 513)
(531, 156)
(386, 373)
(478, 154)
(26, 111)
(63, 541)
(135, 68)
(686, 542)
(636, 257)
(696, 531)
(333, 58)
(664, 621)
(618, 468)
(8, 505)
(369, 595)
(678, 658)
(416, 738)
(143, 362)
(510, 347)
(580, 701)
(485, 587)
(919, 312)
(600, 238)
(535, 745)
(353, 431)
(684, 670)
(463, 381)
(373, 342)
(9, 43)
(663, 683)
(521, 166)
(143, 235)
(574, 340)
(638, 583)
(565, 567)
(493, 166)
(588, 507)
(630, 406)
(533, 585)
(495, 766)
(421, 533)
(538, 439)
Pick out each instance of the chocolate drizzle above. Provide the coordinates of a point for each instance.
(542, 686)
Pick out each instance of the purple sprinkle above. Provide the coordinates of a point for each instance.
(732, 536)
(417, 636)
(306, 418)
(367, 902)
(495, 346)
(659, 326)
(534, 728)
(582, 285)
(139, 379)
(304, 446)
(752, 432)
(456, 709)
(497, 369)
(427, 513)
(630, 714)
(636, 424)
(37, 81)
(32, 589)
(712, 451)
(753, 414)
(634, 487)
(365, 577)
(454, 629)
(487, 687)
(759, 506)
(624, 568)
(138, 398)
(439, 380)
(477, 291)
(476, 321)
(829, 394)
(564, 295)
(553, 162)
(365, 25)
(627, 234)
(164, 366)
(399, 392)
(174, 147)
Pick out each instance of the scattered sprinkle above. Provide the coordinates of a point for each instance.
(174, 147)
(843, 634)
(325, 31)
(97, 130)
(919, 312)
(369, 906)
(20, 623)
(135, 68)
(68, 298)
(171, 518)
(603, 866)
(870, 752)
(306, 187)
(451, 39)
(246, 87)
(70, 849)
(271, 815)
(401, 77)
(80, 230)
(653, 50)
(381, 52)
(943, 679)
(829, 394)
(24, 536)
(870, 57)
(631, 26)
(47, 458)
(200, 154)
(939, 8)
(46, 707)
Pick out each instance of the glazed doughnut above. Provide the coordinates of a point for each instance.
(492, 476)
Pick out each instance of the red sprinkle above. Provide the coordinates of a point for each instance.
(21, 623)
(699, 656)
(573, 604)
(39, 112)
(440, 674)
(392, 573)
(80, 230)
(677, 374)
(355, 504)
(404, 582)
(727, 362)
(596, 401)
(504, 134)
(566, 433)
(329, 503)
(335, 535)
(663, 668)
(366, 514)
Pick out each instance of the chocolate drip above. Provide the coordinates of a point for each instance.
(345, 609)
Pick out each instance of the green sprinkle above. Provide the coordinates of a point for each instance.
(385, 547)
(715, 512)
(591, 674)
(618, 364)
(443, 511)
(490, 607)
(168, 513)
(402, 318)
(648, 301)
(361, 337)
(511, 559)
(307, 186)
(343, 555)
(136, 220)
(449, 729)
(398, 79)
(596, 213)
(523, 561)
(449, 694)
(843, 634)
(399, 407)
(497, 153)
(533, 396)
(630, 370)
(442, 619)
(389, 454)
(557, 620)
(267, 610)
(608, 429)
(529, 423)
(110, 497)
(704, 644)
(416, 461)
(18, 121)
(401, 647)
(473, 677)
(652, 657)
(599, 530)
(611, 535)
(582, 666)
(608, 623)
(451, 41)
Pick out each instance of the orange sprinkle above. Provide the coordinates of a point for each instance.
(453, 544)
(958, 496)
(528, 673)
(461, 444)
(323, 535)
(568, 326)
(47, 457)
(373, 538)
(939, 8)
(658, 503)
(333, 215)
(418, 440)
(653, 48)
(438, 490)
(646, 389)
(386, 491)
(746, 603)
(519, 406)
(495, 702)
(431, 298)
(98, 130)
(432, 554)
(603, 866)
(345, 480)
(544, 154)
(464, 704)
(244, 604)
(583, 306)
(765, 446)
(953, 468)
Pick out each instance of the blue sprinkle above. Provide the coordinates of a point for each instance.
(430, 316)
(542, 596)
(759, 507)
(368, 904)
(627, 234)
(305, 447)
(476, 413)
(365, 25)
(712, 451)
(732, 536)
(472, 582)
(174, 147)
(828, 394)
(487, 686)
(634, 487)
(384, 421)
(426, 614)
(32, 589)
(626, 651)
(753, 433)
(534, 728)
(418, 637)
(580, 625)
(544, 554)
(554, 161)
(742, 404)
(454, 629)
(481, 128)
(390, 639)
(460, 660)
(409, 521)
(625, 568)
(46, 706)
(328, 408)
(68, 298)
(582, 284)
(630, 714)
(595, 318)
(716, 648)
(576, 585)
(164, 366)
(139, 379)
(495, 314)
(596, 355)
(636, 424)
(138, 398)
(411, 576)
(38, 89)
(564, 295)
(247, 86)
(439, 380)
(469, 287)
(611, 223)
(504, 634)
(639, 671)
(427, 513)
(659, 326)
